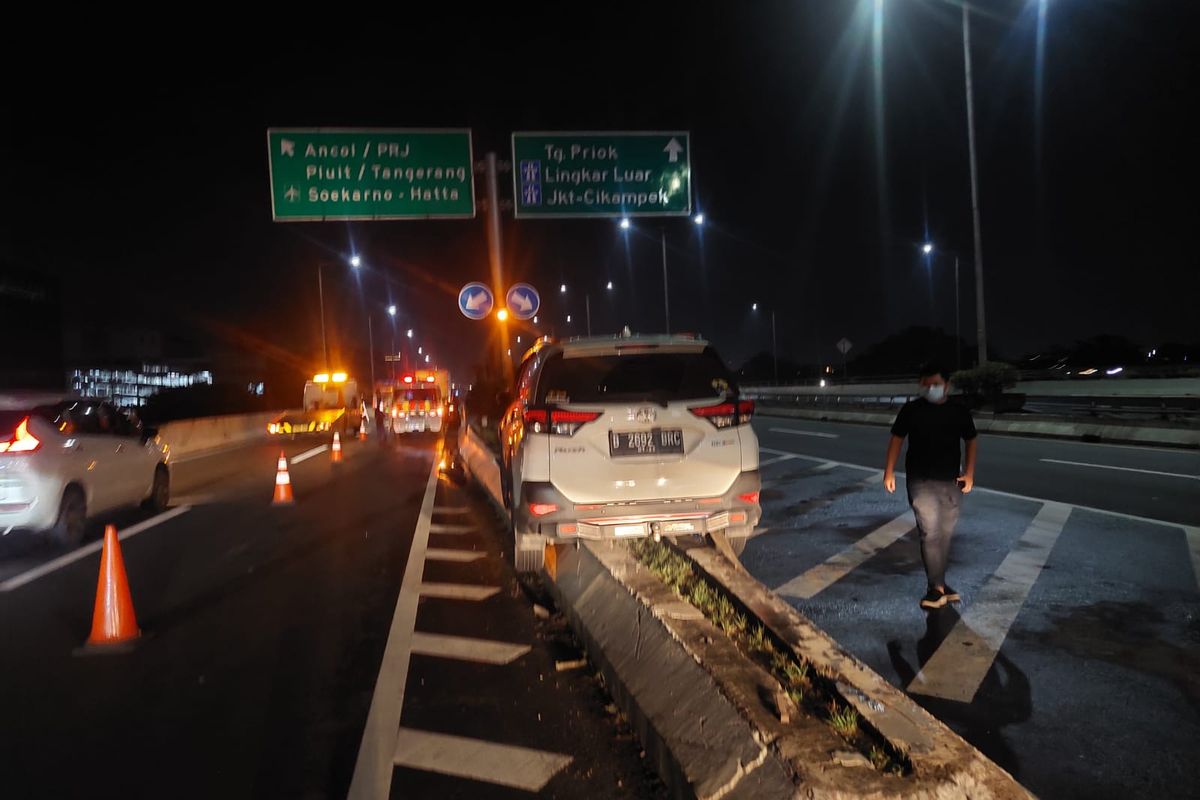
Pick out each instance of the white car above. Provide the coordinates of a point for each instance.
(628, 436)
(64, 459)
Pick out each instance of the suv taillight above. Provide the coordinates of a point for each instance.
(22, 441)
(557, 421)
(726, 415)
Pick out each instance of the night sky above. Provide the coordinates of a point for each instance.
(136, 173)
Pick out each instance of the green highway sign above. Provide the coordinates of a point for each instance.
(597, 174)
(370, 173)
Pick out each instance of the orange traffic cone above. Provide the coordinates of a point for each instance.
(283, 483)
(337, 448)
(362, 428)
(113, 621)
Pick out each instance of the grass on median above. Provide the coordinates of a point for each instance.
(812, 693)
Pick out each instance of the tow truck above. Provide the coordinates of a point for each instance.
(331, 403)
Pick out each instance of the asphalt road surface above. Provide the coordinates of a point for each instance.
(1073, 659)
(265, 630)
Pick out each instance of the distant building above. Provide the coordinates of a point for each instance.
(131, 387)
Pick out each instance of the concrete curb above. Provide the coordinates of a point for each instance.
(1049, 429)
(702, 710)
(938, 755)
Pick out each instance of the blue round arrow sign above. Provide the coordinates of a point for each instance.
(523, 301)
(475, 301)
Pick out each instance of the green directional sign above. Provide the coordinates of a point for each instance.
(370, 173)
(596, 174)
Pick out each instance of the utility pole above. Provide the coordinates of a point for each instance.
(587, 300)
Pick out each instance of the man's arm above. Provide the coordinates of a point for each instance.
(893, 455)
(968, 478)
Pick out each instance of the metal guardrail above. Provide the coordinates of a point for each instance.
(1166, 409)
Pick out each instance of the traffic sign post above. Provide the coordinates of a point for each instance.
(370, 174)
(522, 301)
(843, 347)
(598, 174)
(475, 301)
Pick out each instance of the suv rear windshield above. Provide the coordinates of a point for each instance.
(634, 377)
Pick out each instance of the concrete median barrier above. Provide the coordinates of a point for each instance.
(190, 437)
(480, 464)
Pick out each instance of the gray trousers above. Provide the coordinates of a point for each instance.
(935, 505)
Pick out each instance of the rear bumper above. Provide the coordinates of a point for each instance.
(693, 516)
(29, 503)
(417, 424)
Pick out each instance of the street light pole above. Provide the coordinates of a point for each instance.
(587, 301)
(774, 347)
(957, 329)
(371, 346)
(321, 295)
(981, 331)
(666, 294)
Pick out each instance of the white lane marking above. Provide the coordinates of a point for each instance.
(457, 556)
(481, 651)
(450, 510)
(18, 581)
(373, 767)
(959, 665)
(307, 454)
(999, 493)
(506, 765)
(836, 567)
(826, 466)
(193, 499)
(774, 460)
(1193, 540)
(458, 591)
(443, 528)
(761, 412)
(825, 462)
(795, 432)
(1121, 469)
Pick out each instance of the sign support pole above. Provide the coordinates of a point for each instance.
(494, 254)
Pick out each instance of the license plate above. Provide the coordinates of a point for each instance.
(658, 441)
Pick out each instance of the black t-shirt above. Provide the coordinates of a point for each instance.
(933, 431)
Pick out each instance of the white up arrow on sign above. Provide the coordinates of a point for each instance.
(287, 148)
(673, 149)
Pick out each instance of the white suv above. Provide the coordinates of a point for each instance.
(626, 437)
(63, 459)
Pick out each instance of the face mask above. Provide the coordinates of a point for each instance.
(935, 394)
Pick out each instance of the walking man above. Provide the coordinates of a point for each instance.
(936, 485)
